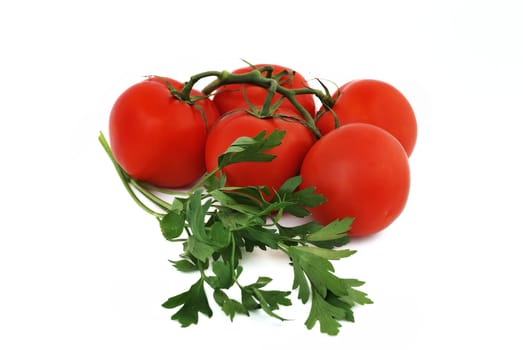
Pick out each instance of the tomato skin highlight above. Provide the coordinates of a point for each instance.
(363, 172)
(233, 96)
(157, 138)
(374, 102)
(297, 141)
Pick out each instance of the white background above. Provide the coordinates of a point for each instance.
(82, 267)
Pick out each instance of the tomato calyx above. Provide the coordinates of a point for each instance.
(177, 94)
(184, 94)
(328, 103)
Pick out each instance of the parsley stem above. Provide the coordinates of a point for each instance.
(149, 195)
(203, 180)
(166, 191)
(125, 177)
(233, 259)
(283, 247)
(201, 268)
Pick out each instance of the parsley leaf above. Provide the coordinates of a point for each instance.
(247, 149)
(299, 200)
(184, 265)
(224, 277)
(193, 301)
(172, 225)
(258, 236)
(332, 297)
(333, 308)
(229, 306)
(221, 224)
(196, 212)
(326, 313)
(269, 300)
(334, 230)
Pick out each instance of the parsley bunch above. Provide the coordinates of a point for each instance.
(218, 225)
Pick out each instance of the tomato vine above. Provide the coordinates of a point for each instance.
(256, 77)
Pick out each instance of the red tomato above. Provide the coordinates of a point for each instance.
(363, 172)
(157, 138)
(233, 96)
(374, 102)
(289, 155)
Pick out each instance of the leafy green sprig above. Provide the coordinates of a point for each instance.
(219, 224)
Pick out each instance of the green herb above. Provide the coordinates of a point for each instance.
(218, 225)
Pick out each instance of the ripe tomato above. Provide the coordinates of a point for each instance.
(157, 138)
(233, 96)
(289, 155)
(374, 102)
(363, 172)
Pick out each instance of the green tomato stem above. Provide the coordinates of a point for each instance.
(256, 77)
(185, 93)
(268, 100)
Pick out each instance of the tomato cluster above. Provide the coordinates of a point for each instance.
(353, 148)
